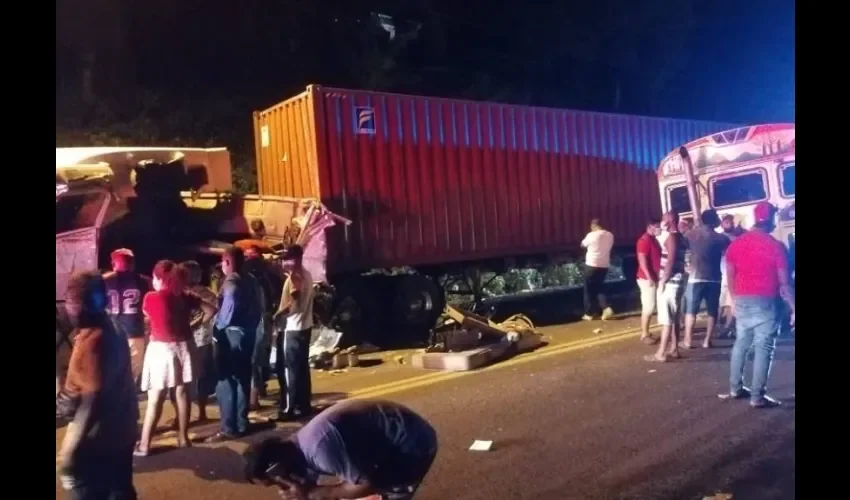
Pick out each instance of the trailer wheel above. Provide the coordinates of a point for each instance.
(354, 312)
(417, 302)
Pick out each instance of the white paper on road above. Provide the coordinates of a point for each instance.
(479, 445)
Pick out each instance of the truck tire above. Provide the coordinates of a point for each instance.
(354, 311)
(417, 303)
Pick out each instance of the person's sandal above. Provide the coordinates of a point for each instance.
(138, 451)
(652, 358)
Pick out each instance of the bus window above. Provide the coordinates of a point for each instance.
(737, 190)
(786, 179)
(680, 202)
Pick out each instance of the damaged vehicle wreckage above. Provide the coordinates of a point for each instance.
(404, 203)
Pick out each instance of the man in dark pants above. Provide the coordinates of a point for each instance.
(255, 265)
(96, 458)
(239, 314)
(598, 243)
(295, 317)
(374, 447)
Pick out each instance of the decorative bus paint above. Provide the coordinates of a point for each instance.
(734, 170)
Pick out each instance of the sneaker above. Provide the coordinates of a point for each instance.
(739, 394)
(765, 402)
(608, 313)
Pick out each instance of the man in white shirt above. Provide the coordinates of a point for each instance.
(293, 344)
(598, 243)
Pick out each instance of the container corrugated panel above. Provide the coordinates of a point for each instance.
(430, 180)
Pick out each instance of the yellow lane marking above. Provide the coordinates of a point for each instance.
(434, 378)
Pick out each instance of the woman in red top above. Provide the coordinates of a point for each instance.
(168, 362)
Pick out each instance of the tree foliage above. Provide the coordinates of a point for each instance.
(191, 72)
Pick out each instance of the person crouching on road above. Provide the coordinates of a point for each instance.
(293, 345)
(168, 360)
(375, 447)
(99, 395)
(649, 268)
(757, 270)
(670, 288)
(201, 322)
(235, 332)
(598, 243)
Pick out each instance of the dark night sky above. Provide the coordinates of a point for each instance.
(246, 55)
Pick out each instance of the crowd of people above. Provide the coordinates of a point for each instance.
(175, 339)
(740, 276)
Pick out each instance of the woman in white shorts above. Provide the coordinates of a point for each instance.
(168, 362)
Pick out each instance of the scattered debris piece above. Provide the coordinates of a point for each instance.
(652, 371)
(465, 341)
(597, 331)
(719, 496)
(337, 372)
(399, 360)
(324, 340)
(479, 445)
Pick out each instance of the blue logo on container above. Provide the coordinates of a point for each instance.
(365, 120)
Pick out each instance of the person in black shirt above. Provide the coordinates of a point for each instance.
(125, 289)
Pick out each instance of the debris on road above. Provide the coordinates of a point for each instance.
(597, 331)
(651, 371)
(719, 496)
(399, 360)
(325, 353)
(467, 341)
(479, 445)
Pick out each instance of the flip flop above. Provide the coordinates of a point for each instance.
(649, 340)
(652, 359)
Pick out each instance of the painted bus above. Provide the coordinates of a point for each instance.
(733, 171)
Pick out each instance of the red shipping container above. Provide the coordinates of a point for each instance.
(433, 181)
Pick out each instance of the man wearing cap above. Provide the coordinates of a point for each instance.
(295, 317)
(125, 289)
(757, 270)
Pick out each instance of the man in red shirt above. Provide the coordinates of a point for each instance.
(757, 272)
(649, 268)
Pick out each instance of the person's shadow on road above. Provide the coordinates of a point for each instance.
(220, 462)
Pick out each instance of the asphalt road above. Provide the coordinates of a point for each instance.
(592, 423)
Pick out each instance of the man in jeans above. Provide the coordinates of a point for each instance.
(239, 314)
(598, 243)
(293, 345)
(757, 271)
(649, 268)
(707, 247)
